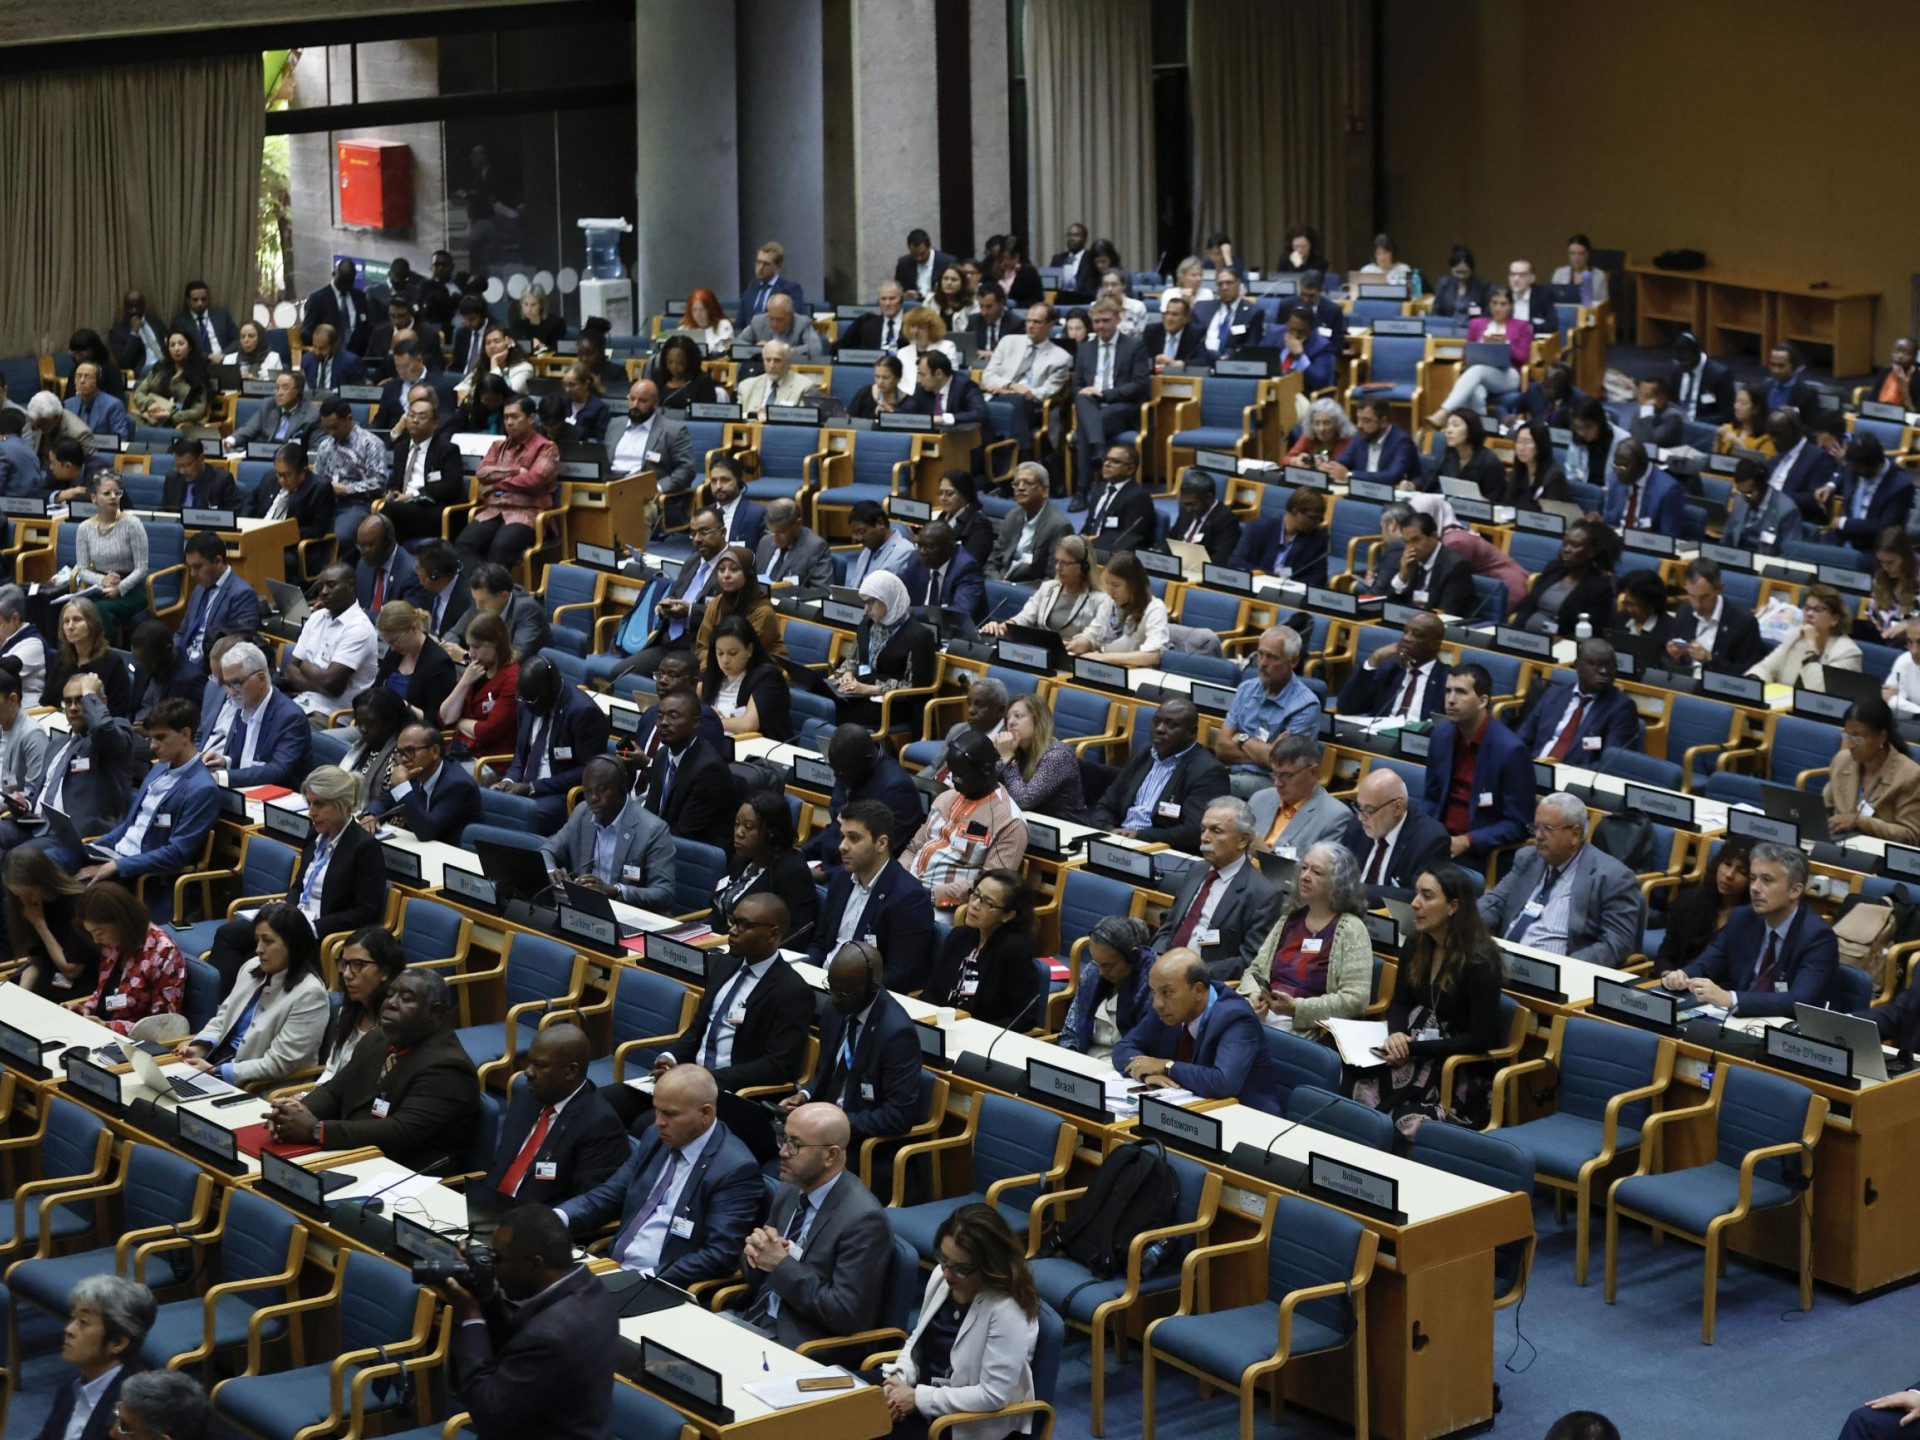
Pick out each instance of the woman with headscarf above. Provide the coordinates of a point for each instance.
(1483, 557)
(738, 592)
(891, 651)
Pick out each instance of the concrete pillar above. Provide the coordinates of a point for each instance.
(895, 159)
(687, 171)
(992, 135)
(782, 146)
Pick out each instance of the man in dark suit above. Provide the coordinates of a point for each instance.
(108, 1318)
(687, 1198)
(789, 552)
(881, 327)
(819, 1266)
(863, 771)
(1201, 1036)
(1162, 792)
(466, 332)
(745, 520)
(328, 365)
(755, 1013)
(289, 415)
(1802, 467)
(1430, 575)
(342, 305)
(1119, 513)
(409, 1090)
(1479, 775)
(560, 730)
(1203, 520)
(1790, 388)
(1565, 895)
(1222, 909)
(222, 603)
(1580, 722)
(1701, 387)
(682, 608)
(400, 319)
(546, 1365)
(1391, 838)
(950, 397)
(1077, 277)
(411, 367)
(440, 800)
(1875, 494)
(1406, 677)
(428, 474)
(1324, 318)
(992, 324)
(193, 484)
(213, 331)
(917, 272)
(1174, 341)
(1710, 632)
(1640, 495)
(382, 570)
(685, 783)
(136, 339)
(1112, 376)
(767, 282)
(262, 736)
(1305, 352)
(1230, 323)
(869, 1054)
(90, 770)
(560, 1137)
(1379, 451)
(1774, 953)
(170, 815)
(871, 898)
(444, 593)
(944, 574)
(635, 861)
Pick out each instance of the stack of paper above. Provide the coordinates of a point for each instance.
(1357, 1040)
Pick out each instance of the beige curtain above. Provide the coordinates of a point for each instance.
(127, 177)
(1274, 85)
(1090, 125)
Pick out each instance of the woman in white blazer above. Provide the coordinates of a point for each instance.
(271, 1023)
(979, 1322)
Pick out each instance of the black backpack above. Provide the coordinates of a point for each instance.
(1628, 836)
(1134, 1189)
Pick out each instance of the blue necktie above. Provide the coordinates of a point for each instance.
(236, 742)
(1525, 922)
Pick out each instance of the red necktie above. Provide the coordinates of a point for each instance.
(1406, 694)
(1633, 508)
(516, 1172)
(1183, 1051)
(380, 589)
(1185, 932)
(936, 404)
(1379, 859)
(1569, 730)
(1767, 960)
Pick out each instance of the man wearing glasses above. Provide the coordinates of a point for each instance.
(437, 800)
(1296, 813)
(89, 774)
(1564, 895)
(751, 1027)
(1392, 841)
(612, 843)
(261, 736)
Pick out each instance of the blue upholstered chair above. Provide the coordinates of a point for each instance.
(1019, 1151)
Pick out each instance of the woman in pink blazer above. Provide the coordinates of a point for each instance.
(1476, 382)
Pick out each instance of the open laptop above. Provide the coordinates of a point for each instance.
(1193, 558)
(599, 905)
(290, 602)
(515, 871)
(177, 1081)
(1797, 807)
(68, 834)
(1835, 1027)
(1487, 352)
(1852, 686)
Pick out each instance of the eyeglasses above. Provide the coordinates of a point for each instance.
(958, 1270)
(980, 897)
(239, 684)
(791, 1146)
(1555, 825)
(1367, 812)
(413, 749)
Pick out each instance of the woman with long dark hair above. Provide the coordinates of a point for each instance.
(369, 963)
(1700, 911)
(677, 375)
(1533, 476)
(766, 860)
(84, 650)
(179, 390)
(55, 959)
(273, 1019)
(986, 964)
(1466, 456)
(1129, 625)
(746, 689)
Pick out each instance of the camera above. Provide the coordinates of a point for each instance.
(475, 1269)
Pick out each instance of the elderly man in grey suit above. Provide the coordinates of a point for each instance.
(612, 843)
(289, 415)
(1296, 812)
(818, 1267)
(779, 322)
(791, 554)
(1223, 908)
(1022, 553)
(649, 438)
(1564, 895)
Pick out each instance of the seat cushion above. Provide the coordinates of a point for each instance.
(180, 1327)
(47, 1283)
(195, 940)
(775, 487)
(1226, 1342)
(572, 641)
(484, 1044)
(67, 1221)
(841, 495)
(923, 752)
(1058, 1277)
(279, 1405)
(1209, 437)
(1560, 1144)
(1690, 1199)
(918, 1224)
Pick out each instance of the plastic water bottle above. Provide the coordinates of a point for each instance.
(1583, 628)
(603, 248)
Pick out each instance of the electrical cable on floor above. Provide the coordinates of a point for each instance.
(1519, 1339)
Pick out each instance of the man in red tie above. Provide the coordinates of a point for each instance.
(1576, 724)
(1202, 1037)
(1222, 909)
(561, 1137)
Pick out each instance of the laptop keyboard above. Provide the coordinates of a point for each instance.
(189, 1087)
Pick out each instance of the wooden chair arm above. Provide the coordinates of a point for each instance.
(1800, 780)
(1057, 1199)
(904, 693)
(1505, 1076)
(1751, 1161)
(1655, 1122)
(657, 1042)
(1204, 1255)
(860, 1337)
(939, 1428)
(922, 1147)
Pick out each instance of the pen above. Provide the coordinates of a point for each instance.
(763, 1362)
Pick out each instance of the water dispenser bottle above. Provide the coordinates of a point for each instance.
(605, 290)
(603, 248)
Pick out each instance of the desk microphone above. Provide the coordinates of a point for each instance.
(1317, 1111)
(986, 1060)
(374, 1205)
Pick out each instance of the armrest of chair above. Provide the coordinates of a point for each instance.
(620, 1051)
(1688, 756)
(285, 1310)
(1056, 1199)
(1204, 1255)
(180, 602)
(1014, 1182)
(940, 1428)
(1751, 1160)
(925, 1147)
(906, 692)
(828, 1343)
(1655, 1123)
(357, 1404)
(588, 605)
(1800, 780)
(1500, 1052)
(1504, 1077)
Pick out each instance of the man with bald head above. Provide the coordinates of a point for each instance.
(818, 1267)
(1201, 1036)
(1392, 839)
(1405, 677)
(869, 1048)
(780, 321)
(755, 1012)
(561, 1138)
(649, 438)
(686, 1199)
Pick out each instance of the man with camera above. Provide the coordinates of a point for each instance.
(535, 1334)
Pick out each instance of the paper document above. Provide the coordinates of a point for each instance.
(784, 1392)
(1357, 1039)
(385, 1185)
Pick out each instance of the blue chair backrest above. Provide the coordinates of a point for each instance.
(1005, 601)
(250, 476)
(638, 1416)
(268, 867)
(876, 452)
(1365, 312)
(1313, 1245)
(1351, 520)
(1018, 682)
(1757, 1109)
(1414, 775)
(1877, 659)
(1647, 769)
(1215, 669)
(1014, 1138)
(1811, 552)
(428, 930)
(144, 492)
(1892, 433)
(1599, 1061)
(377, 1299)
(22, 374)
(1222, 401)
(1489, 1157)
(1299, 1061)
(1851, 989)
(571, 585)
(254, 1243)
(203, 992)
(784, 449)
(1492, 593)
(1320, 1109)
(1697, 720)
(1743, 590)
(1533, 552)
(847, 381)
(1079, 713)
(1004, 418)
(538, 968)
(160, 1187)
(1586, 495)
(245, 410)
(704, 436)
(645, 1004)
(1086, 899)
(904, 1286)
(1802, 744)
(1395, 358)
(1210, 610)
(696, 869)
(1046, 1354)
(808, 643)
(486, 1133)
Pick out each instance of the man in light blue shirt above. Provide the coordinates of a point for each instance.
(108, 1319)
(1272, 703)
(881, 546)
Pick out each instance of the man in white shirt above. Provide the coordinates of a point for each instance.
(108, 1318)
(1525, 307)
(1028, 368)
(338, 650)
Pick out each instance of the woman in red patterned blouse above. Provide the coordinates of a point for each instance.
(516, 484)
(142, 971)
(482, 706)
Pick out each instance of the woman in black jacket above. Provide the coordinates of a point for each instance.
(1460, 292)
(1579, 583)
(1700, 911)
(891, 651)
(1533, 476)
(986, 966)
(415, 667)
(341, 883)
(767, 861)
(959, 501)
(677, 375)
(746, 689)
(1466, 457)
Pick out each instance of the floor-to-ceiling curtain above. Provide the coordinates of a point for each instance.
(1090, 125)
(124, 177)
(1273, 89)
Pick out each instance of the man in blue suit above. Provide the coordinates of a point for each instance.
(108, 1318)
(260, 736)
(98, 411)
(1230, 323)
(869, 1053)
(440, 800)
(1380, 450)
(340, 304)
(767, 283)
(328, 364)
(1327, 318)
(1201, 1036)
(863, 771)
(746, 520)
(384, 571)
(872, 898)
(1876, 493)
(944, 574)
(1580, 722)
(1479, 775)
(1774, 953)
(1640, 495)
(687, 1197)
(1406, 677)
(1308, 353)
(1803, 469)
(221, 604)
(166, 826)
(560, 730)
